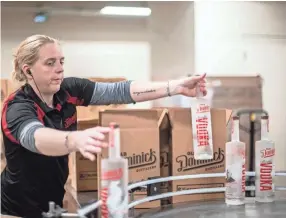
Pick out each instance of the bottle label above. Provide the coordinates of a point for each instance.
(266, 169)
(235, 174)
(114, 199)
(202, 129)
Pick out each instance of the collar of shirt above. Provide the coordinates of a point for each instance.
(59, 98)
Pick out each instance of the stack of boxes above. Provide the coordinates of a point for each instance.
(158, 143)
(6, 89)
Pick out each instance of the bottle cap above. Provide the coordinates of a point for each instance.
(114, 125)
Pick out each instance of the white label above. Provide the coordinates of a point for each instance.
(266, 170)
(235, 175)
(202, 130)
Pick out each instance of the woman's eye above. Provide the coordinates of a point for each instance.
(50, 63)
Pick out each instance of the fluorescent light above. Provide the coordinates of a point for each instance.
(127, 11)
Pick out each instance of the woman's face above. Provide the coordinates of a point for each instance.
(48, 71)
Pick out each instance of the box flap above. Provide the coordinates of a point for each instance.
(130, 118)
(180, 117)
(163, 121)
(87, 120)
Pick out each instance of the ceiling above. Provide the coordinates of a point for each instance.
(71, 4)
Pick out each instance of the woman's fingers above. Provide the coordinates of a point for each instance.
(97, 135)
(89, 151)
(97, 143)
(87, 154)
(92, 149)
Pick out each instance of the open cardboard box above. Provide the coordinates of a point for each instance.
(182, 154)
(140, 143)
(165, 135)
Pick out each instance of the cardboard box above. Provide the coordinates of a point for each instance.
(183, 162)
(83, 172)
(140, 144)
(6, 89)
(165, 158)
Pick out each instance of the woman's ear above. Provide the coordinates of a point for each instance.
(27, 71)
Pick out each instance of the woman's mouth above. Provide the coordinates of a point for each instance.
(56, 81)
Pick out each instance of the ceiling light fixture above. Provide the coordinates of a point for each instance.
(125, 11)
(40, 17)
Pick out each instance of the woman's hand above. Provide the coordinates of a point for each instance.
(88, 142)
(187, 86)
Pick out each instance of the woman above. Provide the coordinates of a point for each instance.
(39, 123)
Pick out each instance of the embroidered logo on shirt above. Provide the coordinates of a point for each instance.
(70, 120)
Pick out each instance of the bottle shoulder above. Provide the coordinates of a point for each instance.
(235, 143)
(114, 160)
(264, 141)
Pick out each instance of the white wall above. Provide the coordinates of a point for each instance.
(93, 48)
(244, 38)
(109, 59)
(170, 34)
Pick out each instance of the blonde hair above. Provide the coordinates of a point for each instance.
(28, 53)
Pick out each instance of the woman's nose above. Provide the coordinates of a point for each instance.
(60, 69)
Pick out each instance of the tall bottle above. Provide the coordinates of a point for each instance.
(114, 179)
(264, 165)
(202, 128)
(235, 167)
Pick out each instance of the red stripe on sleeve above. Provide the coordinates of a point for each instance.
(74, 100)
(40, 113)
(6, 130)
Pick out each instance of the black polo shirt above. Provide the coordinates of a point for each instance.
(30, 180)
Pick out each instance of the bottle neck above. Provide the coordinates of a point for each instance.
(235, 130)
(199, 94)
(114, 143)
(264, 128)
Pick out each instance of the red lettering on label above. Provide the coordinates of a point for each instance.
(265, 177)
(203, 108)
(104, 208)
(243, 178)
(70, 120)
(112, 174)
(202, 131)
(268, 152)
